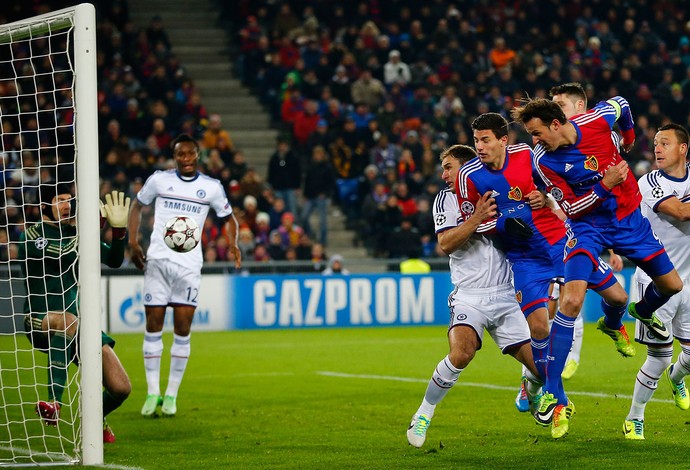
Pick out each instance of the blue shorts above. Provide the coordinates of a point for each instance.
(631, 237)
(532, 278)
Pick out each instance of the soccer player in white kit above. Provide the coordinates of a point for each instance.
(666, 203)
(172, 278)
(483, 297)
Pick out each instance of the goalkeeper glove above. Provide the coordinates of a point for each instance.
(116, 211)
(518, 228)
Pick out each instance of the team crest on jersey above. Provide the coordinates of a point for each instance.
(571, 243)
(201, 194)
(440, 219)
(657, 192)
(40, 243)
(515, 193)
(518, 296)
(592, 163)
(557, 194)
(467, 207)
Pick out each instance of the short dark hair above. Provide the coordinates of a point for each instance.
(680, 131)
(184, 138)
(572, 89)
(462, 153)
(540, 108)
(493, 122)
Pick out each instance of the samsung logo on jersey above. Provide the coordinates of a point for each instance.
(182, 206)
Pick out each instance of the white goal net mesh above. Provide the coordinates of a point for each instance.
(38, 146)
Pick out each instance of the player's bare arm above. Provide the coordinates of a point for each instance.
(137, 253)
(615, 261)
(452, 239)
(675, 208)
(232, 233)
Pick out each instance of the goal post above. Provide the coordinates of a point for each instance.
(72, 106)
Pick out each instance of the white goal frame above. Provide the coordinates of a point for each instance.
(83, 19)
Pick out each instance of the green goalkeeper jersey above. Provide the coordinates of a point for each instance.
(49, 265)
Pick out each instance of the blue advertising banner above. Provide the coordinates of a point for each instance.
(304, 301)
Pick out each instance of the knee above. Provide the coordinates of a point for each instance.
(539, 331)
(121, 389)
(672, 287)
(461, 357)
(571, 305)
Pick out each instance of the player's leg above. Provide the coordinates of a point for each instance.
(613, 304)
(116, 386)
(61, 328)
(153, 349)
(468, 321)
(641, 246)
(646, 382)
(573, 361)
(676, 373)
(179, 356)
(158, 290)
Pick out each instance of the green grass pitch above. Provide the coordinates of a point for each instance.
(342, 398)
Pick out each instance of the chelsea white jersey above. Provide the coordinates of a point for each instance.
(478, 263)
(175, 196)
(656, 187)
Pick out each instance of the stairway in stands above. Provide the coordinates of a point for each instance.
(202, 48)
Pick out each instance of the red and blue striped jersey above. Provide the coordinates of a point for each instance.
(510, 186)
(573, 173)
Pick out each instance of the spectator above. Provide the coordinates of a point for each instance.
(335, 266)
(396, 71)
(318, 184)
(405, 241)
(368, 90)
(285, 174)
(215, 132)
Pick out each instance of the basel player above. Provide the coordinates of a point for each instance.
(533, 238)
(584, 172)
(665, 202)
(572, 99)
(482, 298)
(49, 253)
(172, 278)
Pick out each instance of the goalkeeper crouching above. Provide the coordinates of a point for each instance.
(48, 250)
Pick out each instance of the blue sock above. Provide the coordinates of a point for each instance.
(612, 315)
(539, 348)
(652, 299)
(560, 342)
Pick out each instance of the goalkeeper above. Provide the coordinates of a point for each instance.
(49, 253)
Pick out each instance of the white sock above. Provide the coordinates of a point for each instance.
(533, 384)
(648, 380)
(681, 367)
(179, 356)
(153, 348)
(444, 377)
(577, 339)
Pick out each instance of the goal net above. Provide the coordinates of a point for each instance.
(48, 134)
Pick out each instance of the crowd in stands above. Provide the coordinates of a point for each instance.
(366, 95)
(382, 87)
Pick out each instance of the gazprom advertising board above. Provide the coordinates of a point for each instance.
(306, 301)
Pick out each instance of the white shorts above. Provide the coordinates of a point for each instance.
(492, 309)
(675, 314)
(167, 283)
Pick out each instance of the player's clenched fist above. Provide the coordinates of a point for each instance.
(615, 175)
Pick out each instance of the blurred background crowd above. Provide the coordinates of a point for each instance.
(365, 93)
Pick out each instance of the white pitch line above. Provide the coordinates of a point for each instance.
(473, 384)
